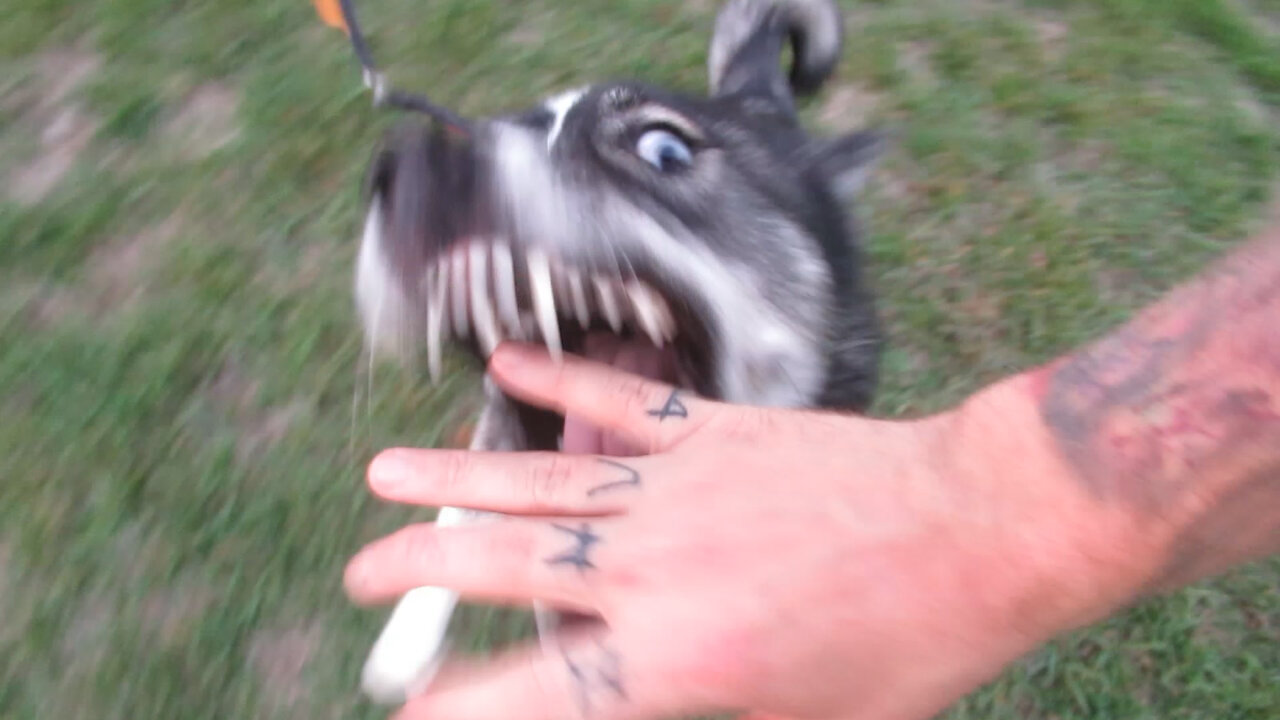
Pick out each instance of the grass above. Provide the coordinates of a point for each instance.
(181, 458)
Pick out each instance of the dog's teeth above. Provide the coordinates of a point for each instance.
(608, 302)
(579, 295)
(504, 287)
(666, 321)
(458, 286)
(560, 290)
(643, 302)
(436, 288)
(544, 302)
(528, 326)
(481, 309)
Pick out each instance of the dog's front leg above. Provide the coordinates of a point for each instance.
(413, 643)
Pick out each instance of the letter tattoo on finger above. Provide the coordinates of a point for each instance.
(595, 670)
(671, 408)
(631, 479)
(584, 539)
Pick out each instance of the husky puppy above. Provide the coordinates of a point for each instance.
(703, 241)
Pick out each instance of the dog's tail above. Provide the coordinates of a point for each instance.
(747, 45)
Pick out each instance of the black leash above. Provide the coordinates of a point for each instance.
(384, 96)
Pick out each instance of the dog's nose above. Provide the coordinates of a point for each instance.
(435, 188)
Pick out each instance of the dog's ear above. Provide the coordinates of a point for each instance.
(747, 48)
(848, 160)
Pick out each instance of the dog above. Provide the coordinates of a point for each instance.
(705, 241)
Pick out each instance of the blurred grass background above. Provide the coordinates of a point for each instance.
(184, 422)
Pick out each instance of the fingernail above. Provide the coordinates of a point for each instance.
(358, 573)
(390, 470)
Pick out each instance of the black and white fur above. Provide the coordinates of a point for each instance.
(558, 220)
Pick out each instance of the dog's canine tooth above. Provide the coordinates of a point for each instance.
(608, 302)
(666, 321)
(642, 301)
(436, 293)
(579, 296)
(528, 327)
(504, 287)
(544, 302)
(481, 308)
(458, 288)
(560, 288)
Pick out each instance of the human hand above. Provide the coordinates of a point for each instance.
(801, 564)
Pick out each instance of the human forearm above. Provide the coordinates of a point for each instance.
(1167, 430)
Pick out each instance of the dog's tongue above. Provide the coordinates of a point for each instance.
(633, 356)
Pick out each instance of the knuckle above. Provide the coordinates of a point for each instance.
(724, 664)
(514, 543)
(549, 480)
(455, 468)
(748, 422)
(565, 378)
(632, 394)
(420, 542)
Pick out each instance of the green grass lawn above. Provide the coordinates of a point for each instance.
(186, 415)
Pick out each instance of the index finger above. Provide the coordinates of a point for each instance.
(653, 415)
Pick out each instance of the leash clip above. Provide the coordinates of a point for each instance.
(343, 16)
(377, 83)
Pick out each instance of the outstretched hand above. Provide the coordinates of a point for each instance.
(799, 564)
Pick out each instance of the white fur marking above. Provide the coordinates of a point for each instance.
(560, 105)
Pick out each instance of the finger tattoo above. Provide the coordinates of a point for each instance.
(671, 408)
(593, 671)
(631, 479)
(584, 538)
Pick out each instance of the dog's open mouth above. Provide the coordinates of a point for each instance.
(481, 293)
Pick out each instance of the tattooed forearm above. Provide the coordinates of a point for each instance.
(630, 478)
(671, 408)
(584, 538)
(1178, 413)
(594, 671)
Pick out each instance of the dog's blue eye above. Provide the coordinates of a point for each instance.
(664, 150)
